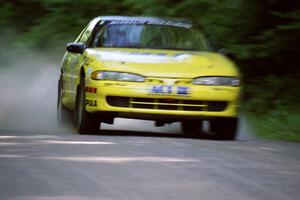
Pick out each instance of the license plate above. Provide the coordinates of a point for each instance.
(169, 90)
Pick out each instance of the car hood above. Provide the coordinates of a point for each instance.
(161, 63)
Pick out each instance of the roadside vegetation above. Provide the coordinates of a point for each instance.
(262, 36)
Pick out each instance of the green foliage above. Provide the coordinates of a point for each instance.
(281, 124)
(273, 107)
(263, 35)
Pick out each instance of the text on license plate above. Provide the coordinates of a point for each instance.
(169, 89)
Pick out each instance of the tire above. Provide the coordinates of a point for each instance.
(86, 123)
(191, 128)
(224, 128)
(62, 114)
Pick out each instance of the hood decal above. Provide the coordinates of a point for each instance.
(140, 57)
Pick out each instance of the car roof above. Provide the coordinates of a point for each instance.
(146, 19)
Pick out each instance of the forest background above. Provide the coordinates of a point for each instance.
(262, 36)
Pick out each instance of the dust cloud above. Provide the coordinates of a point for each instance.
(28, 86)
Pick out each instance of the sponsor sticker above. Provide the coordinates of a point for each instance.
(153, 22)
(90, 102)
(91, 89)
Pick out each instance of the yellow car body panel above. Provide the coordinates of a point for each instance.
(161, 68)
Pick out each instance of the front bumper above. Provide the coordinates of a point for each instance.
(129, 99)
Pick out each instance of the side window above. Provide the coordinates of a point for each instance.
(96, 40)
(85, 36)
(86, 33)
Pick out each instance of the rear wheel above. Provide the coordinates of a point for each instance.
(85, 122)
(191, 128)
(224, 128)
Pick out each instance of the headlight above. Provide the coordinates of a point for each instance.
(230, 81)
(116, 76)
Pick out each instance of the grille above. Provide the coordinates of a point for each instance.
(166, 104)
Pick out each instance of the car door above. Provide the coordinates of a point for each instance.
(71, 66)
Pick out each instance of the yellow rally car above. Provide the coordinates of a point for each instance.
(148, 68)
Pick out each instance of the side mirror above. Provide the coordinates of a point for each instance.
(76, 47)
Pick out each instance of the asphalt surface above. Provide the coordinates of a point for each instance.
(132, 160)
(144, 163)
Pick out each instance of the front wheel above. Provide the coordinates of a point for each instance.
(62, 113)
(191, 128)
(224, 128)
(85, 122)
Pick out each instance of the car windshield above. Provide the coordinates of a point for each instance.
(150, 36)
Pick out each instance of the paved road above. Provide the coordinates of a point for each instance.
(39, 161)
(121, 165)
